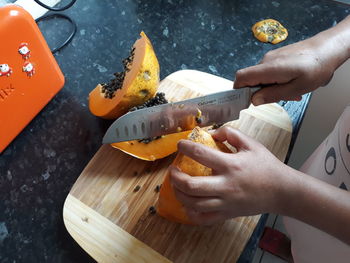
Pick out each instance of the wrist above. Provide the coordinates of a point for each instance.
(332, 46)
(288, 192)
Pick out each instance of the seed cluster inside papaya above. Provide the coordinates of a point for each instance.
(109, 89)
(134, 86)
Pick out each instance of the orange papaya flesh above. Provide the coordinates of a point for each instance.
(153, 150)
(269, 30)
(133, 87)
(168, 206)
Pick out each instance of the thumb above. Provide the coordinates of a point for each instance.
(234, 137)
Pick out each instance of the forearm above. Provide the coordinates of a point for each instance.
(316, 203)
(334, 43)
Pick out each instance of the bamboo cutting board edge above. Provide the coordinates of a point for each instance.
(84, 224)
(88, 222)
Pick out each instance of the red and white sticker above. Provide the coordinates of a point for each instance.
(28, 68)
(24, 50)
(5, 70)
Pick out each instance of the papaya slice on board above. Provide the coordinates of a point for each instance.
(154, 149)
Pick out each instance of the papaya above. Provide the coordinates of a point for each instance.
(151, 150)
(269, 30)
(168, 206)
(135, 88)
(135, 85)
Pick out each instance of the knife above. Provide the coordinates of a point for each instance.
(215, 108)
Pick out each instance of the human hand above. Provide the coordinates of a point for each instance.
(289, 72)
(243, 183)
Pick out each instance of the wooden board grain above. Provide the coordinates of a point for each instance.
(112, 223)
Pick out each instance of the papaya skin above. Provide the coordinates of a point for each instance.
(168, 206)
(153, 150)
(140, 84)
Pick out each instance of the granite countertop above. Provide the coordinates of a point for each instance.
(40, 166)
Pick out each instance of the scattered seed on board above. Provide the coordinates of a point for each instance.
(137, 188)
(152, 210)
(157, 189)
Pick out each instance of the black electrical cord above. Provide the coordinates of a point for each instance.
(55, 15)
(70, 37)
(55, 9)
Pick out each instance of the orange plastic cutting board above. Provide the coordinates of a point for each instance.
(29, 74)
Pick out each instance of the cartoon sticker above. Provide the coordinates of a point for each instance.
(24, 50)
(29, 69)
(5, 70)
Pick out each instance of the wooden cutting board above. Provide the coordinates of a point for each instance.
(112, 223)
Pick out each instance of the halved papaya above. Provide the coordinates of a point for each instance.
(168, 206)
(134, 86)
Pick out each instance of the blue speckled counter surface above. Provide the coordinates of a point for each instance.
(39, 167)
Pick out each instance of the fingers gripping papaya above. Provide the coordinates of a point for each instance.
(168, 206)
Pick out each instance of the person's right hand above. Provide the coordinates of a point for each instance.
(289, 72)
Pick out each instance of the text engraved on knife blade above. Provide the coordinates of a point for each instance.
(202, 103)
(229, 98)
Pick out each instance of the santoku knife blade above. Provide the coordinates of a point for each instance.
(216, 108)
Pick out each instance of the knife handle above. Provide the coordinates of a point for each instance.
(253, 90)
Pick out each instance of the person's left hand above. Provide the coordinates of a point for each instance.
(244, 183)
